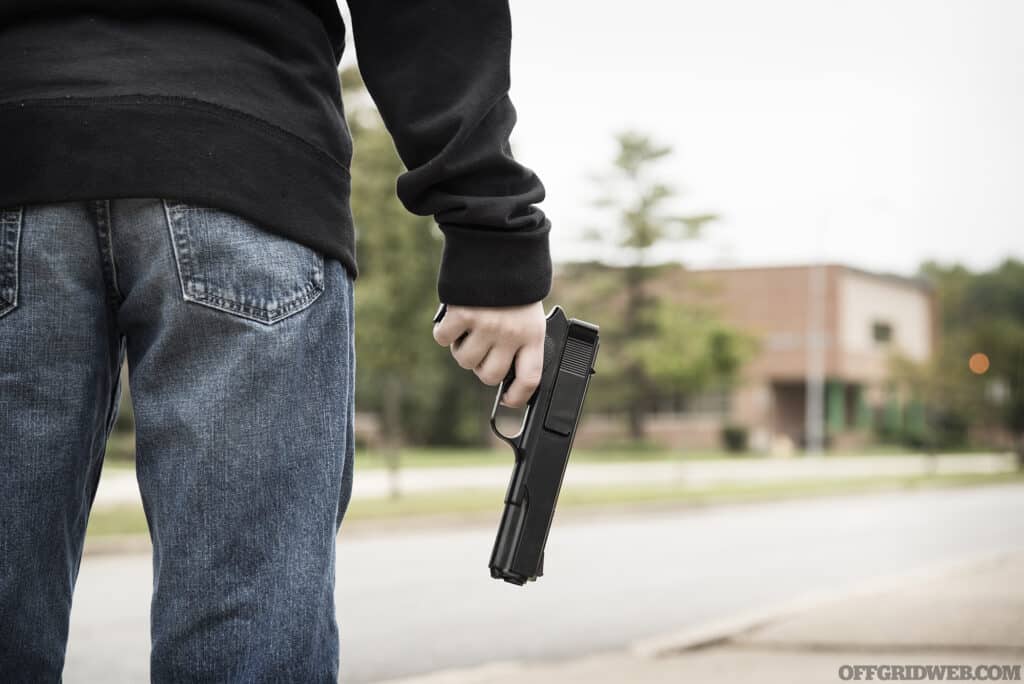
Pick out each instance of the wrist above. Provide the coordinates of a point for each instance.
(494, 267)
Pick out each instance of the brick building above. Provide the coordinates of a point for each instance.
(859, 317)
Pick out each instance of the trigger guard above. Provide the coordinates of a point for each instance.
(511, 440)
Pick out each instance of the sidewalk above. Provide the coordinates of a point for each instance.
(119, 486)
(971, 614)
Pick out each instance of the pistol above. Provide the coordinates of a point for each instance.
(542, 445)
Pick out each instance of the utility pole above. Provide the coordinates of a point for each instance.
(814, 405)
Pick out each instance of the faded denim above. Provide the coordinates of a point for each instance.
(241, 360)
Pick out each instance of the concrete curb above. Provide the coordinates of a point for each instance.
(720, 631)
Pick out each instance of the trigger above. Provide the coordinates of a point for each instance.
(509, 377)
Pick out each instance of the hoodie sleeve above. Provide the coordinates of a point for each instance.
(438, 71)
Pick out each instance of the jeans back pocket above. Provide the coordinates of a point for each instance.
(11, 220)
(233, 264)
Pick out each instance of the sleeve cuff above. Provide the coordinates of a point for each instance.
(481, 267)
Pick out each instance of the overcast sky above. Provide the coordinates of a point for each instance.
(876, 133)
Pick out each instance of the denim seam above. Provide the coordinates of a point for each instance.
(182, 255)
(113, 405)
(11, 222)
(176, 248)
(104, 223)
(115, 398)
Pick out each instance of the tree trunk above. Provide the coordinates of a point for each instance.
(392, 419)
(637, 409)
(484, 436)
(636, 423)
(635, 376)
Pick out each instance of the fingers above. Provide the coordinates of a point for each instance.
(470, 352)
(450, 328)
(488, 340)
(529, 363)
(493, 369)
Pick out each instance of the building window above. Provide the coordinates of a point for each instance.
(881, 332)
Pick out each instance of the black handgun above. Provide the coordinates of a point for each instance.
(542, 445)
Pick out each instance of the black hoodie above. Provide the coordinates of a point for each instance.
(237, 104)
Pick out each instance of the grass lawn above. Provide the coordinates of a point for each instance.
(131, 520)
(121, 447)
(367, 459)
(433, 457)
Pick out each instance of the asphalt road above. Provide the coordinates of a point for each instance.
(422, 600)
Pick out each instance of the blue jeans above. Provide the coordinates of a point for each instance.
(241, 363)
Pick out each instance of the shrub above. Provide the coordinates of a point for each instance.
(734, 438)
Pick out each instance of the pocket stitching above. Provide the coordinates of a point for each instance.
(182, 248)
(223, 304)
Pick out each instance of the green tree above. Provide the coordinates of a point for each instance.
(651, 345)
(398, 254)
(990, 320)
(418, 393)
(980, 313)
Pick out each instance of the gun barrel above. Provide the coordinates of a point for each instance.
(542, 447)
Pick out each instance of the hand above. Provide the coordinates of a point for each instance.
(486, 339)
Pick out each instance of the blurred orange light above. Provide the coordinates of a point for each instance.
(978, 363)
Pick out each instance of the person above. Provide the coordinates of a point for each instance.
(174, 191)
